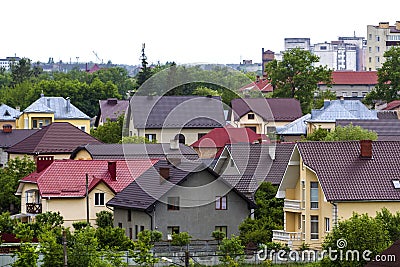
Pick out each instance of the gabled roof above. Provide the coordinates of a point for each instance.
(345, 176)
(8, 113)
(155, 112)
(255, 164)
(392, 105)
(354, 78)
(277, 109)
(128, 151)
(67, 178)
(55, 138)
(111, 108)
(8, 139)
(219, 137)
(61, 107)
(387, 130)
(342, 109)
(391, 254)
(296, 127)
(147, 189)
(262, 84)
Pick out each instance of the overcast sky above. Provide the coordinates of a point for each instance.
(207, 31)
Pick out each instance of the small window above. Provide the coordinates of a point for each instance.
(314, 227)
(378, 38)
(200, 135)
(136, 231)
(83, 128)
(220, 203)
(377, 59)
(223, 229)
(323, 48)
(181, 138)
(99, 199)
(120, 225)
(46, 122)
(34, 124)
(370, 49)
(370, 60)
(150, 137)
(364, 94)
(173, 230)
(173, 203)
(370, 36)
(141, 228)
(250, 116)
(396, 184)
(314, 195)
(130, 233)
(129, 215)
(344, 94)
(377, 49)
(327, 225)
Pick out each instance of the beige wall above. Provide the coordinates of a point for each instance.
(166, 135)
(311, 126)
(56, 156)
(12, 123)
(258, 122)
(346, 209)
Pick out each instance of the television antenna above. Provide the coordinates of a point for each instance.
(98, 58)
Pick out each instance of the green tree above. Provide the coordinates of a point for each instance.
(6, 223)
(136, 140)
(388, 78)
(359, 232)
(9, 176)
(110, 132)
(27, 256)
(51, 248)
(104, 219)
(391, 223)
(267, 217)
(350, 132)
(83, 249)
(21, 70)
(231, 251)
(181, 239)
(318, 134)
(113, 238)
(297, 77)
(142, 254)
(322, 96)
(145, 72)
(204, 91)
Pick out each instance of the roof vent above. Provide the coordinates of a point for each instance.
(366, 149)
(396, 184)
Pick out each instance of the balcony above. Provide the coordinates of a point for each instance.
(292, 204)
(34, 208)
(281, 235)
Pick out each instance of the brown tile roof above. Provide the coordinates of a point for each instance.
(392, 105)
(391, 256)
(277, 109)
(354, 77)
(17, 135)
(56, 138)
(344, 176)
(111, 108)
(387, 114)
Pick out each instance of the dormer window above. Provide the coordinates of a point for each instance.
(396, 184)
(250, 116)
(7, 113)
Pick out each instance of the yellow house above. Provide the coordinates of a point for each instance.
(47, 110)
(8, 116)
(326, 182)
(61, 186)
(263, 115)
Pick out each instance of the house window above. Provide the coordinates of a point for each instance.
(303, 194)
(141, 228)
(250, 116)
(354, 94)
(136, 231)
(364, 94)
(150, 137)
(173, 203)
(220, 203)
(34, 124)
(377, 49)
(120, 225)
(323, 48)
(344, 94)
(83, 128)
(99, 199)
(200, 135)
(314, 195)
(223, 229)
(181, 138)
(173, 230)
(129, 215)
(378, 38)
(327, 225)
(369, 59)
(130, 233)
(46, 122)
(369, 49)
(314, 227)
(370, 36)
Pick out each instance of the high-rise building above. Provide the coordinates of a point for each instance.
(379, 40)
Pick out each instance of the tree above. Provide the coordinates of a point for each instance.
(322, 96)
(268, 216)
(360, 233)
(318, 134)
(391, 223)
(113, 238)
(231, 251)
(9, 176)
(350, 132)
(142, 254)
(181, 239)
(204, 91)
(145, 72)
(388, 78)
(104, 219)
(82, 251)
(110, 132)
(297, 77)
(21, 70)
(134, 139)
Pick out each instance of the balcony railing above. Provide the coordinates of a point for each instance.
(280, 235)
(34, 208)
(292, 204)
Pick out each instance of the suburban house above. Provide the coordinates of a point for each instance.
(246, 166)
(47, 110)
(180, 196)
(263, 115)
(8, 138)
(352, 85)
(184, 118)
(61, 185)
(293, 131)
(212, 144)
(327, 181)
(260, 84)
(111, 109)
(333, 110)
(387, 130)
(57, 140)
(129, 151)
(8, 115)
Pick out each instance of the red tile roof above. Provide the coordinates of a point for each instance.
(67, 178)
(392, 105)
(263, 85)
(354, 77)
(58, 137)
(219, 137)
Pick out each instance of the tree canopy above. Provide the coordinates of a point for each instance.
(342, 133)
(297, 77)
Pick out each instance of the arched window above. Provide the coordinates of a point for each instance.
(181, 138)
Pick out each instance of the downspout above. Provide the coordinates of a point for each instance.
(151, 217)
(335, 213)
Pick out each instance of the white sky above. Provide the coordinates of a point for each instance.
(208, 31)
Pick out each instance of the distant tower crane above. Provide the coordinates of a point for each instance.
(98, 57)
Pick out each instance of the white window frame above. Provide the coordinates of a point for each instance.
(99, 199)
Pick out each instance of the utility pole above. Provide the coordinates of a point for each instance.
(87, 198)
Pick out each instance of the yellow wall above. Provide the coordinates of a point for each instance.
(56, 156)
(78, 123)
(12, 123)
(346, 209)
(324, 125)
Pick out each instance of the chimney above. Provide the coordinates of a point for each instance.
(271, 151)
(42, 162)
(327, 102)
(366, 149)
(18, 108)
(112, 169)
(112, 101)
(174, 144)
(68, 104)
(164, 172)
(7, 128)
(384, 25)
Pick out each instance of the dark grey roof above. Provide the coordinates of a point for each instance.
(148, 188)
(345, 176)
(121, 151)
(387, 114)
(255, 164)
(177, 112)
(387, 130)
(111, 108)
(9, 139)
